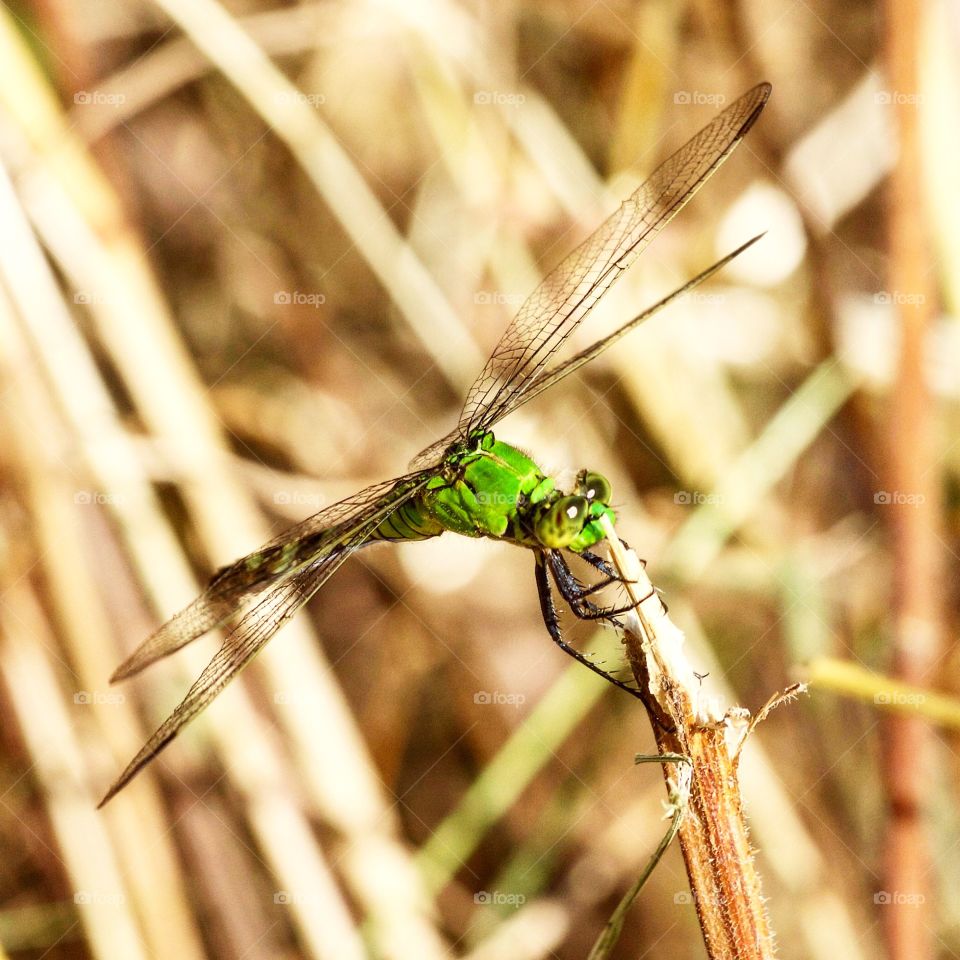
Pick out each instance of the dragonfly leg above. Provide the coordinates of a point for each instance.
(605, 568)
(609, 572)
(552, 620)
(575, 593)
(582, 590)
(613, 577)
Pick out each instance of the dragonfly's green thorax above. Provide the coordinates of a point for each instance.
(488, 488)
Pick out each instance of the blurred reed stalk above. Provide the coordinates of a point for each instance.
(914, 526)
(724, 882)
(75, 211)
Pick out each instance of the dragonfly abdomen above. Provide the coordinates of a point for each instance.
(410, 521)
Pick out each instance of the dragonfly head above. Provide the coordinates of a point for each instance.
(573, 521)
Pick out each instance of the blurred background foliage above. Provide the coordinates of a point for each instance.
(252, 255)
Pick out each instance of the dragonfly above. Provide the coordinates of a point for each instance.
(468, 483)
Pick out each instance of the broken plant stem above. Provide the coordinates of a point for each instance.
(724, 882)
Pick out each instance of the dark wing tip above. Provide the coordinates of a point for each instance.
(201, 616)
(111, 793)
(746, 245)
(139, 660)
(126, 670)
(152, 747)
(761, 93)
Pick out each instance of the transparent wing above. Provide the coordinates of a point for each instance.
(553, 311)
(548, 378)
(296, 546)
(270, 608)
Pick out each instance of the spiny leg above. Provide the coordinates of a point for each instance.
(552, 621)
(602, 565)
(605, 567)
(653, 590)
(609, 572)
(575, 593)
(573, 590)
(611, 577)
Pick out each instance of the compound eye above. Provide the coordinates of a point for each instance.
(571, 512)
(563, 521)
(595, 487)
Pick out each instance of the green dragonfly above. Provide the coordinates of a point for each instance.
(469, 482)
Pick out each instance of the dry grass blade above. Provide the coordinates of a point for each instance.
(247, 755)
(337, 180)
(70, 203)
